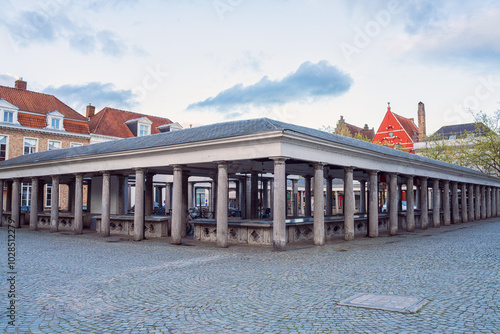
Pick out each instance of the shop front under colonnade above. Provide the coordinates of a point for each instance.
(239, 151)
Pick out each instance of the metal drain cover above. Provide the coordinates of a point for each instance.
(404, 304)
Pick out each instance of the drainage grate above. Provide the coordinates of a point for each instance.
(403, 304)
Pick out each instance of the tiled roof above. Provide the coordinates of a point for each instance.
(211, 132)
(408, 125)
(38, 103)
(461, 130)
(111, 122)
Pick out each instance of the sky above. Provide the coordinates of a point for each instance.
(305, 62)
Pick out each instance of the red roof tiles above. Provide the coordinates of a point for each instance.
(38, 103)
(111, 122)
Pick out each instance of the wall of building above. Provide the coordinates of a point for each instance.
(16, 140)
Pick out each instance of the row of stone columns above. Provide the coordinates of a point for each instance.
(485, 205)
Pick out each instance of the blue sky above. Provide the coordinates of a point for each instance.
(304, 62)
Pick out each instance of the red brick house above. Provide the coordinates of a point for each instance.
(112, 124)
(32, 122)
(400, 132)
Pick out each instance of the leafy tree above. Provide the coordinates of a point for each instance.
(479, 150)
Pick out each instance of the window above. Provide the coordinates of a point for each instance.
(30, 145)
(75, 144)
(55, 123)
(48, 196)
(143, 130)
(8, 116)
(54, 145)
(26, 195)
(391, 134)
(3, 148)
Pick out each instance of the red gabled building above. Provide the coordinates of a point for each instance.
(400, 132)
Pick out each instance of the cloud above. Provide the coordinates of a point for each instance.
(309, 82)
(97, 93)
(48, 25)
(7, 79)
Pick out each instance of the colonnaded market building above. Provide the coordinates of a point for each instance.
(436, 193)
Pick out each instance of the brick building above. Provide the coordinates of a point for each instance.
(32, 122)
(400, 132)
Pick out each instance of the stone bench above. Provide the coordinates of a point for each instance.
(154, 226)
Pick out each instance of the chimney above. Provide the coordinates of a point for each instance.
(421, 122)
(388, 106)
(20, 84)
(90, 111)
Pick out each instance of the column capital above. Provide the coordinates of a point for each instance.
(178, 168)
(139, 170)
(105, 172)
(373, 172)
(423, 177)
(221, 164)
(34, 178)
(278, 160)
(349, 169)
(318, 165)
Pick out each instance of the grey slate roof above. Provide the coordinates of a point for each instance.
(461, 130)
(209, 132)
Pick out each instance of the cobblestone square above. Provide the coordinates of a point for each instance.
(90, 284)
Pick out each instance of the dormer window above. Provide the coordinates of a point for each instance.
(144, 130)
(8, 112)
(8, 116)
(140, 126)
(55, 120)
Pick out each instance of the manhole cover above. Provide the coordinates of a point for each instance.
(404, 304)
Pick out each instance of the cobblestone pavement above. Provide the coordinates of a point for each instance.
(90, 284)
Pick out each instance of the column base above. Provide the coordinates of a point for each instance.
(279, 246)
(349, 237)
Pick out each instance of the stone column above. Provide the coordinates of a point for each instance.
(455, 218)
(185, 201)
(248, 197)
(71, 196)
(319, 214)
(295, 196)
(148, 197)
(177, 207)
(78, 226)
(498, 202)
(279, 214)
(222, 205)
(8, 199)
(483, 202)
(373, 205)
(34, 204)
(471, 203)
(243, 195)
(477, 211)
(393, 204)
(168, 197)
(122, 206)
(337, 202)
(265, 194)
(436, 208)
(488, 204)
(446, 204)
(139, 205)
(464, 203)
(54, 204)
(106, 202)
(493, 202)
(410, 205)
(362, 196)
(424, 206)
(1, 202)
(254, 188)
(307, 208)
(190, 195)
(329, 199)
(348, 203)
(16, 202)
